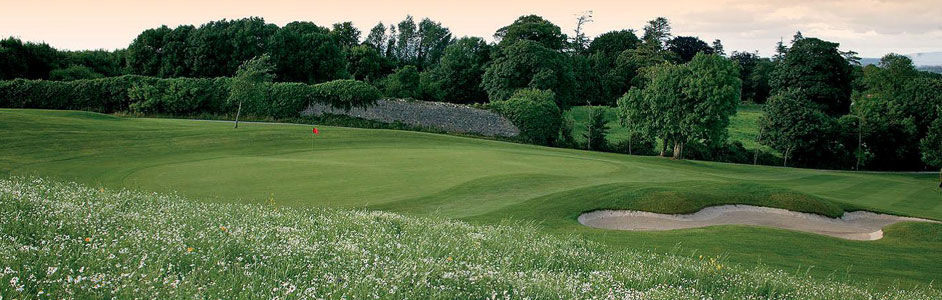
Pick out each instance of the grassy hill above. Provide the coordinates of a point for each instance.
(69, 239)
(485, 183)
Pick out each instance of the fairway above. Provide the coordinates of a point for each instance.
(484, 181)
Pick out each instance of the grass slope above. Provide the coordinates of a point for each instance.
(70, 241)
(485, 182)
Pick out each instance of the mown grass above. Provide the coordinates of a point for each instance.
(60, 240)
(485, 182)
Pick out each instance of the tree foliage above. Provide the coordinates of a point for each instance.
(754, 72)
(897, 107)
(532, 28)
(251, 83)
(404, 83)
(458, 75)
(687, 46)
(795, 126)
(305, 52)
(535, 113)
(684, 103)
(932, 145)
(528, 64)
(816, 69)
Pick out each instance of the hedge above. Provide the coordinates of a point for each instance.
(179, 96)
(101, 95)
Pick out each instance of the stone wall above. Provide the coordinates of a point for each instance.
(445, 116)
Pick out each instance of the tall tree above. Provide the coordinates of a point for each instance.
(596, 129)
(816, 69)
(459, 73)
(632, 63)
(407, 41)
(365, 63)
(305, 52)
(754, 72)
(683, 103)
(347, 35)
(898, 107)
(932, 145)
(613, 43)
(656, 33)
(580, 41)
(795, 126)
(377, 38)
(687, 46)
(432, 41)
(173, 56)
(718, 47)
(251, 83)
(145, 52)
(529, 64)
(404, 83)
(532, 28)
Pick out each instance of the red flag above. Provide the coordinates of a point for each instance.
(315, 131)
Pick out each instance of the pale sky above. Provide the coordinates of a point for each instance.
(871, 27)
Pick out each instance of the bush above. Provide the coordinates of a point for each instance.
(105, 95)
(535, 113)
(640, 145)
(74, 72)
(346, 94)
(180, 96)
(732, 152)
(402, 84)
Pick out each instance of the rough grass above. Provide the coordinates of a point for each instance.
(69, 241)
(485, 182)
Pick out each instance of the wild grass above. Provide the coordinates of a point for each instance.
(69, 241)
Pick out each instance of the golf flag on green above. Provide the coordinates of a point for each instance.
(315, 131)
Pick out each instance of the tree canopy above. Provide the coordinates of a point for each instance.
(816, 69)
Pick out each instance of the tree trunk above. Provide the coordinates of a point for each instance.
(238, 111)
(678, 150)
(629, 143)
(664, 142)
(755, 157)
(787, 150)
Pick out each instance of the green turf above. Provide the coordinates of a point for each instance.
(743, 126)
(67, 240)
(484, 181)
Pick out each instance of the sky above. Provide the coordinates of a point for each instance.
(870, 27)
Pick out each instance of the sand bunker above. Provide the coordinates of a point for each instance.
(858, 225)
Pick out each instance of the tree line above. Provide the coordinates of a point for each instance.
(675, 94)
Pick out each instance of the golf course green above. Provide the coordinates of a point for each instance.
(486, 182)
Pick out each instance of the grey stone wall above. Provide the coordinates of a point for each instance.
(445, 116)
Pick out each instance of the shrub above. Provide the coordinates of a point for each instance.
(402, 84)
(180, 96)
(535, 113)
(101, 95)
(346, 94)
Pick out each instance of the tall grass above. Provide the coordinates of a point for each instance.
(65, 240)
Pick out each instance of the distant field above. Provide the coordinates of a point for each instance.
(486, 182)
(743, 126)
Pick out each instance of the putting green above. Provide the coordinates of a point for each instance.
(485, 181)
